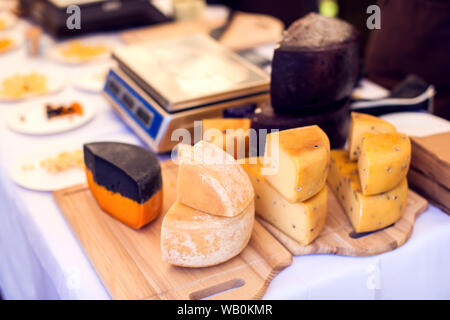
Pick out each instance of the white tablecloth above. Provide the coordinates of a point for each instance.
(41, 258)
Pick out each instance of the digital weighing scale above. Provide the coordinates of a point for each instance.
(160, 87)
(96, 15)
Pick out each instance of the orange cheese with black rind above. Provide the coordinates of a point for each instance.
(125, 181)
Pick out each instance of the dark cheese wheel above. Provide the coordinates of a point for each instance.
(315, 64)
(333, 119)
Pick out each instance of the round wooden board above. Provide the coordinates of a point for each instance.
(336, 236)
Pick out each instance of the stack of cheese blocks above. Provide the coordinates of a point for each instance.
(290, 181)
(369, 179)
(315, 66)
(212, 218)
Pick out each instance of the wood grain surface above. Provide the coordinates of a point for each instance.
(129, 261)
(337, 237)
(246, 31)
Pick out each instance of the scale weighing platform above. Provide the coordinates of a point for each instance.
(159, 87)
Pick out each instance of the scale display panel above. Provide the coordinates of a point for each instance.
(139, 109)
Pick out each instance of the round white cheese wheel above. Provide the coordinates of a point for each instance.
(192, 238)
(212, 181)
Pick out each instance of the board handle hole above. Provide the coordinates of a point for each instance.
(356, 235)
(217, 289)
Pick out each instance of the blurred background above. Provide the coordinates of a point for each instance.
(414, 38)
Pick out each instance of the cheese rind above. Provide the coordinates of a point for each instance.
(315, 64)
(361, 123)
(302, 221)
(127, 211)
(125, 180)
(383, 162)
(210, 180)
(366, 213)
(301, 157)
(191, 238)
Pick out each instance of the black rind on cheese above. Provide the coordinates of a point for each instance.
(333, 119)
(304, 78)
(129, 170)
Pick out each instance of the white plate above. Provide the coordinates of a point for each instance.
(9, 19)
(41, 180)
(17, 42)
(54, 53)
(91, 79)
(55, 83)
(417, 124)
(36, 122)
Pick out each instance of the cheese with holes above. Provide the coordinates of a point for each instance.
(361, 123)
(230, 134)
(302, 221)
(300, 158)
(125, 180)
(211, 180)
(384, 161)
(366, 213)
(192, 238)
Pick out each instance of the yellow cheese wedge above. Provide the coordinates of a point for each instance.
(366, 213)
(383, 162)
(191, 238)
(230, 134)
(302, 221)
(360, 123)
(211, 180)
(301, 157)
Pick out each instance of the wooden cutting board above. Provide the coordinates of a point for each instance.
(431, 155)
(436, 193)
(337, 236)
(430, 168)
(246, 31)
(129, 261)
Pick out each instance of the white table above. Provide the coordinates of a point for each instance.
(41, 258)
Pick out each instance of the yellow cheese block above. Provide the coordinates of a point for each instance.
(230, 134)
(302, 221)
(383, 162)
(212, 181)
(360, 123)
(366, 213)
(191, 238)
(301, 157)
